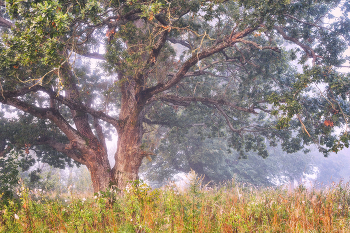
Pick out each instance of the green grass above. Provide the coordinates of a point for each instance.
(232, 208)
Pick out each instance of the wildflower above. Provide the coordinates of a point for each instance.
(128, 188)
(95, 197)
(16, 216)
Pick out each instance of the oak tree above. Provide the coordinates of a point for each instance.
(229, 59)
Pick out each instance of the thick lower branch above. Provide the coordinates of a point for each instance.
(67, 149)
(51, 114)
(69, 103)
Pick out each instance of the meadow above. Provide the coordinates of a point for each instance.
(231, 207)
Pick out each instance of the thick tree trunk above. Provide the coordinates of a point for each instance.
(129, 154)
(93, 148)
(100, 173)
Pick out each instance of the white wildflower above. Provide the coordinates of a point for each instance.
(16, 216)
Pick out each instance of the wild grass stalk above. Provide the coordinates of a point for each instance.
(229, 208)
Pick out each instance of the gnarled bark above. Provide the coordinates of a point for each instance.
(100, 171)
(129, 154)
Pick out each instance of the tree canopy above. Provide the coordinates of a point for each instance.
(223, 65)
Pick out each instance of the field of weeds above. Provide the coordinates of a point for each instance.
(231, 208)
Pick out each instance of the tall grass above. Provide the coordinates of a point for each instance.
(230, 208)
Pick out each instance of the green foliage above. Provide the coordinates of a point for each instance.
(22, 135)
(233, 207)
(164, 71)
(9, 175)
(216, 162)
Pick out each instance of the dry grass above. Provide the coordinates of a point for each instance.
(232, 208)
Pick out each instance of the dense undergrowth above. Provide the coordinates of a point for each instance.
(230, 208)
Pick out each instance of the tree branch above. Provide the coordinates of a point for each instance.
(51, 114)
(70, 104)
(309, 51)
(5, 23)
(227, 42)
(63, 148)
(185, 101)
(153, 55)
(100, 134)
(181, 42)
(274, 48)
(148, 121)
(307, 23)
(218, 107)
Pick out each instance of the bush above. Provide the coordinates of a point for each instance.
(9, 175)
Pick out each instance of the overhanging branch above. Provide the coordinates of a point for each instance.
(51, 114)
(309, 51)
(72, 105)
(185, 101)
(218, 107)
(60, 147)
